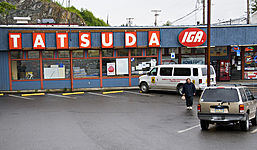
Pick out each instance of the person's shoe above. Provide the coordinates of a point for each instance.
(188, 108)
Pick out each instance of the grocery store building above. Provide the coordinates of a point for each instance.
(61, 57)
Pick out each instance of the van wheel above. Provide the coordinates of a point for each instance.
(254, 120)
(180, 89)
(245, 125)
(144, 87)
(204, 125)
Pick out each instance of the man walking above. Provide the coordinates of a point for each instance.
(189, 92)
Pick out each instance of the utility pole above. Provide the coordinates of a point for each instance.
(248, 12)
(203, 1)
(156, 14)
(208, 43)
(130, 21)
(69, 13)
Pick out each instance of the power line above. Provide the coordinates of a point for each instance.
(197, 9)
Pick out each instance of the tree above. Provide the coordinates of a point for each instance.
(254, 6)
(168, 23)
(5, 7)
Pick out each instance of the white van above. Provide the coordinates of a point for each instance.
(173, 76)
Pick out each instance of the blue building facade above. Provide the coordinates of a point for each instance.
(27, 68)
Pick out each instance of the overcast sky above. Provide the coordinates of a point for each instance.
(140, 10)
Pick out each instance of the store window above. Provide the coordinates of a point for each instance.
(93, 53)
(136, 52)
(78, 54)
(250, 63)
(56, 69)
(33, 54)
(140, 65)
(219, 51)
(185, 50)
(25, 69)
(84, 68)
(193, 59)
(122, 52)
(63, 54)
(151, 52)
(48, 54)
(16, 55)
(115, 66)
(107, 53)
(168, 56)
(198, 50)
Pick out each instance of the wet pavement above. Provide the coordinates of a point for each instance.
(127, 120)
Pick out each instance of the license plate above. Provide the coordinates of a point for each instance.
(219, 110)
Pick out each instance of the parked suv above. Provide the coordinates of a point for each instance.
(228, 104)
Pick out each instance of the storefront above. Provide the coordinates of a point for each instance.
(36, 57)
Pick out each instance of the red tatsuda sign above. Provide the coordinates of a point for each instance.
(192, 37)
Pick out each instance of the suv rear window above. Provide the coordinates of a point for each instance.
(220, 95)
(204, 71)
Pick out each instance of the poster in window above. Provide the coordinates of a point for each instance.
(110, 69)
(122, 66)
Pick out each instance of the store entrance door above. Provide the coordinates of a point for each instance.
(236, 73)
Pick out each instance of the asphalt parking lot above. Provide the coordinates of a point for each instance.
(126, 120)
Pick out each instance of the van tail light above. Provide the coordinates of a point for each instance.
(200, 81)
(199, 107)
(241, 108)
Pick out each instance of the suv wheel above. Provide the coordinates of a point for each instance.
(245, 125)
(254, 120)
(204, 124)
(144, 87)
(180, 89)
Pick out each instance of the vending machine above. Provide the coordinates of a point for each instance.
(224, 70)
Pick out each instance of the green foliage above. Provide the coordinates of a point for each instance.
(90, 19)
(254, 6)
(6, 7)
(168, 23)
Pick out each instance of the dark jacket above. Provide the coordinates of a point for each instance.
(189, 89)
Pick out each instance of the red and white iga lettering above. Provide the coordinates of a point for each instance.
(15, 41)
(107, 39)
(130, 39)
(154, 38)
(62, 41)
(85, 40)
(39, 41)
(192, 37)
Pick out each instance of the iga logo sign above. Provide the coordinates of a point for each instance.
(192, 37)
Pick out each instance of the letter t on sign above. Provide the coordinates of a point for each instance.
(62, 41)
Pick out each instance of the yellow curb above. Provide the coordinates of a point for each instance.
(111, 92)
(73, 93)
(33, 94)
(1, 94)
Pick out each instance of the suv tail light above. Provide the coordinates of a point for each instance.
(199, 107)
(200, 81)
(241, 108)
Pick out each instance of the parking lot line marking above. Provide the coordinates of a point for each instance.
(138, 93)
(74, 93)
(254, 131)
(111, 92)
(182, 131)
(98, 94)
(33, 94)
(62, 96)
(20, 97)
(1, 94)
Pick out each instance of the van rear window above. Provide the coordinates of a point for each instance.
(204, 71)
(220, 95)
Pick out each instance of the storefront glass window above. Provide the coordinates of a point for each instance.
(166, 56)
(48, 54)
(219, 51)
(151, 52)
(25, 69)
(16, 55)
(115, 67)
(77, 54)
(107, 53)
(193, 59)
(93, 53)
(122, 52)
(250, 63)
(136, 52)
(185, 50)
(83, 68)
(140, 66)
(56, 69)
(198, 50)
(33, 54)
(63, 54)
